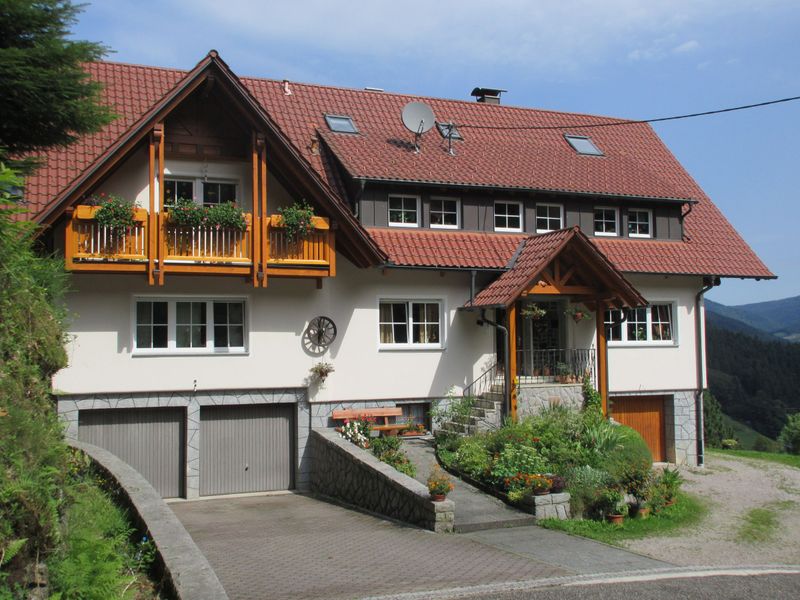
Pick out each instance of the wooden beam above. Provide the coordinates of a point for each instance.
(560, 290)
(256, 225)
(602, 356)
(332, 253)
(162, 249)
(512, 357)
(152, 223)
(69, 241)
(261, 142)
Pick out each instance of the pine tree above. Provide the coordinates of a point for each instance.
(46, 98)
(714, 427)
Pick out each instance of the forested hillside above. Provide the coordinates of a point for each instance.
(756, 381)
(777, 317)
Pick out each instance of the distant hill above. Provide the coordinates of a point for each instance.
(779, 318)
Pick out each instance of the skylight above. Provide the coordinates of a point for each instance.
(449, 129)
(583, 145)
(341, 123)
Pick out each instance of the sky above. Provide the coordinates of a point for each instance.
(623, 58)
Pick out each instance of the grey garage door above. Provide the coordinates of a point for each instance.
(246, 448)
(151, 440)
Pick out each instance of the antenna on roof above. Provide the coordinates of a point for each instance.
(418, 118)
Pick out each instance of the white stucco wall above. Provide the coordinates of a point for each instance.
(101, 358)
(640, 367)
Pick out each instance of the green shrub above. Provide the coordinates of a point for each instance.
(516, 459)
(557, 434)
(790, 435)
(592, 400)
(388, 449)
(729, 444)
(472, 457)
(584, 484)
(629, 465)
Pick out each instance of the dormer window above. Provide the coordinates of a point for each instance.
(403, 211)
(449, 129)
(640, 223)
(507, 216)
(583, 145)
(341, 123)
(606, 221)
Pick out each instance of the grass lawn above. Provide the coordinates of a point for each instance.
(760, 525)
(748, 437)
(688, 510)
(792, 460)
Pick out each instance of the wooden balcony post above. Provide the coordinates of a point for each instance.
(256, 222)
(69, 241)
(512, 357)
(602, 356)
(332, 251)
(160, 232)
(152, 229)
(264, 190)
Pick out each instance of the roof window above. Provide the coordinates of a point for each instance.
(449, 129)
(583, 145)
(341, 123)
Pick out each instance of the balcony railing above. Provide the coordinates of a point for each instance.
(557, 365)
(94, 242)
(261, 250)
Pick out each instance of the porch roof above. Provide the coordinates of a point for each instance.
(607, 283)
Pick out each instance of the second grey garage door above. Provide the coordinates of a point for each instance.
(246, 448)
(151, 440)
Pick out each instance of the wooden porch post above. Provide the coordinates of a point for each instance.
(602, 356)
(256, 222)
(159, 134)
(152, 218)
(264, 215)
(512, 357)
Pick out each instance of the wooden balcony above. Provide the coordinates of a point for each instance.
(261, 250)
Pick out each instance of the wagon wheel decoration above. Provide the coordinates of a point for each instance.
(321, 332)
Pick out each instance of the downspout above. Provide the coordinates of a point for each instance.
(472, 275)
(710, 283)
(506, 371)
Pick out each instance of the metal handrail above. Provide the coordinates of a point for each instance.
(485, 382)
(556, 365)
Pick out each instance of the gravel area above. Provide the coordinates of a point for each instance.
(732, 486)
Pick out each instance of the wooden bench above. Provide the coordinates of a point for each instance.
(377, 413)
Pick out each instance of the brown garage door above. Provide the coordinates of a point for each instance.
(645, 414)
(151, 440)
(246, 448)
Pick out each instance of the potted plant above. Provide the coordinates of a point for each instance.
(540, 485)
(533, 311)
(439, 484)
(562, 372)
(558, 484)
(186, 213)
(321, 370)
(226, 216)
(670, 481)
(357, 431)
(578, 313)
(298, 220)
(113, 212)
(611, 504)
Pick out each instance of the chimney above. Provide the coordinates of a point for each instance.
(487, 95)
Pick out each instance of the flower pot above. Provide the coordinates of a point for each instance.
(541, 493)
(438, 497)
(615, 519)
(643, 512)
(669, 502)
(557, 490)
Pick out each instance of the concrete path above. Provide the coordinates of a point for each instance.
(475, 510)
(293, 546)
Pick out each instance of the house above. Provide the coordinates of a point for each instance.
(506, 244)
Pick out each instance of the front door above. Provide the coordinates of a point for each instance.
(539, 338)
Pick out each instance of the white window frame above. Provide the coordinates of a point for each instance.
(673, 307)
(198, 182)
(649, 214)
(560, 208)
(616, 221)
(172, 347)
(410, 345)
(404, 197)
(521, 217)
(444, 199)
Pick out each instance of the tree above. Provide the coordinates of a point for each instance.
(714, 426)
(46, 98)
(790, 435)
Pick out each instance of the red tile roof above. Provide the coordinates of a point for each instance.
(636, 163)
(447, 249)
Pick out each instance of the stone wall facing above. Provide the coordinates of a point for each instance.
(533, 398)
(347, 473)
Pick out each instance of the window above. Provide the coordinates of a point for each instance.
(404, 211)
(583, 145)
(648, 325)
(450, 129)
(444, 213)
(640, 223)
(507, 216)
(605, 221)
(177, 189)
(218, 193)
(548, 217)
(188, 325)
(341, 123)
(410, 323)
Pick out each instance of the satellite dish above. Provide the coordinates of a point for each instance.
(418, 118)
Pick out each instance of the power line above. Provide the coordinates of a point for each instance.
(617, 123)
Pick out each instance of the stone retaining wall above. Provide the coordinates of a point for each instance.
(346, 472)
(533, 398)
(550, 506)
(185, 571)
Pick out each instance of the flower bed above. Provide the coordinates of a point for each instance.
(386, 449)
(604, 466)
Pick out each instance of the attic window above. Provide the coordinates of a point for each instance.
(449, 129)
(341, 123)
(583, 145)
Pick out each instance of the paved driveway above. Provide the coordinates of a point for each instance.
(294, 546)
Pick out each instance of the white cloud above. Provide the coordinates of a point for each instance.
(686, 47)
